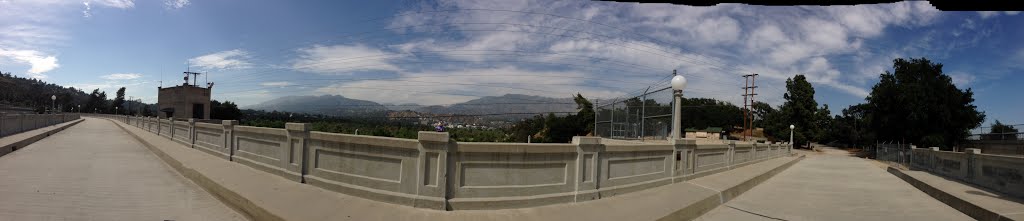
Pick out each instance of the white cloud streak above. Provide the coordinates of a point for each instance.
(121, 76)
(230, 59)
(343, 59)
(176, 4)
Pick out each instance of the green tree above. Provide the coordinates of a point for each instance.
(1000, 131)
(224, 111)
(917, 103)
(118, 103)
(823, 124)
(800, 110)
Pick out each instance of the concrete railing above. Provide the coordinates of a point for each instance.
(1001, 173)
(17, 123)
(437, 173)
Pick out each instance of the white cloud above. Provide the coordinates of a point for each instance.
(990, 14)
(961, 79)
(86, 12)
(121, 76)
(344, 59)
(122, 4)
(276, 84)
(176, 4)
(231, 59)
(39, 62)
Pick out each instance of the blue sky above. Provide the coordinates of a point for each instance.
(443, 52)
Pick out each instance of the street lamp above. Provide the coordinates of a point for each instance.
(678, 84)
(791, 127)
(53, 98)
(115, 110)
(79, 108)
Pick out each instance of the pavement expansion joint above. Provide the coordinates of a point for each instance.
(753, 213)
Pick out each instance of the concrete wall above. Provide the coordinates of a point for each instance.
(1001, 173)
(437, 173)
(17, 123)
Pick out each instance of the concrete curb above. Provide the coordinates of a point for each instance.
(693, 211)
(13, 146)
(224, 194)
(964, 206)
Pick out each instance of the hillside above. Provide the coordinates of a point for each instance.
(508, 103)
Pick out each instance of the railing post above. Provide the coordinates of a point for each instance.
(298, 134)
(436, 170)
(587, 151)
(3, 124)
(158, 125)
(170, 125)
(21, 122)
(192, 132)
(229, 138)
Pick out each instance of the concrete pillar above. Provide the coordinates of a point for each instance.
(229, 138)
(731, 155)
(588, 150)
(973, 167)
(436, 164)
(297, 151)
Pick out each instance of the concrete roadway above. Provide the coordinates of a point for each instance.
(833, 185)
(95, 171)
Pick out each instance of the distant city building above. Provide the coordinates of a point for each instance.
(185, 101)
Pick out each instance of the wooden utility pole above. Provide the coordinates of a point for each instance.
(748, 103)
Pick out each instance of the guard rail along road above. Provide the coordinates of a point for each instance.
(17, 123)
(437, 173)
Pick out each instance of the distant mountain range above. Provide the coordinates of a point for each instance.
(333, 105)
(491, 106)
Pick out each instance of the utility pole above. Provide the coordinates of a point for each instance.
(748, 103)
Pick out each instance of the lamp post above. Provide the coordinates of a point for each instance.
(53, 99)
(115, 110)
(79, 108)
(791, 127)
(678, 84)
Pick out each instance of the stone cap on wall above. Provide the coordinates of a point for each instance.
(431, 136)
(297, 126)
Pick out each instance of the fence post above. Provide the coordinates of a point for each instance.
(587, 151)
(229, 138)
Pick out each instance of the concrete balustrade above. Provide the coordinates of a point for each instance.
(437, 173)
(997, 172)
(17, 123)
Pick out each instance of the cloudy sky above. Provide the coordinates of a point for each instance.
(445, 52)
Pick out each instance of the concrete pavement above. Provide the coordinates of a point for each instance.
(834, 186)
(95, 171)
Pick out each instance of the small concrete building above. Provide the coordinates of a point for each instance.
(185, 101)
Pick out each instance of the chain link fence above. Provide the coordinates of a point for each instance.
(647, 116)
(895, 153)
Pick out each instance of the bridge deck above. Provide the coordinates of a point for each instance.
(834, 186)
(95, 171)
